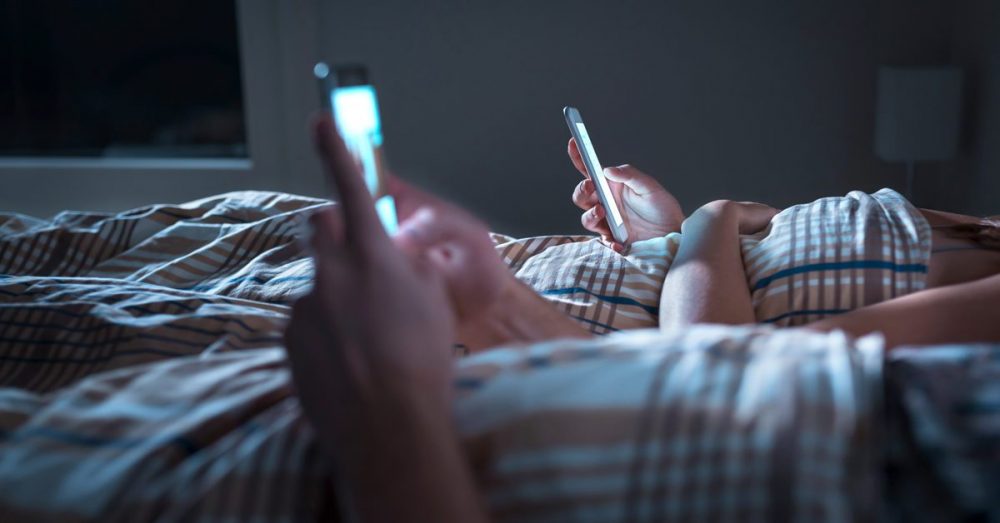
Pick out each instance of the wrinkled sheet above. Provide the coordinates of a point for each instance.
(141, 369)
(142, 378)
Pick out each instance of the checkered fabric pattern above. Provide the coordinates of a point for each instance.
(835, 255)
(729, 424)
(603, 290)
(815, 260)
(943, 418)
(142, 377)
(704, 424)
(216, 437)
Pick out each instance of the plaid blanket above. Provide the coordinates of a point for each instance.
(141, 375)
(943, 425)
(835, 255)
(603, 290)
(707, 423)
(733, 424)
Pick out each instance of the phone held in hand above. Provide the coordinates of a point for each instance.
(616, 222)
(346, 91)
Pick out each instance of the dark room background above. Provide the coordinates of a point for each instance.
(771, 101)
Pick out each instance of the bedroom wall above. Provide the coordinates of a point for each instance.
(971, 183)
(770, 101)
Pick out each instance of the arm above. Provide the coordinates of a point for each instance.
(369, 349)
(707, 282)
(960, 313)
(519, 315)
(492, 306)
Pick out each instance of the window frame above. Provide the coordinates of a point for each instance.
(273, 37)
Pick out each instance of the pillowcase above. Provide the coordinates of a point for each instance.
(604, 290)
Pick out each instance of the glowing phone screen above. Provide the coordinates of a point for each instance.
(598, 174)
(355, 110)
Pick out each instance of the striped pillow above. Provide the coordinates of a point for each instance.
(604, 290)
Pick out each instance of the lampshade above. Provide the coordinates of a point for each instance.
(918, 113)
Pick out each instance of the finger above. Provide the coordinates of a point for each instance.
(584, 195)
(449, 262)
(429, 227)
(439, 220)
(308, 340)
(361, 222)
(328, 253)
(304, 228)
(594, 220)
(333, 275)
(292, 336)
(640, 182)
(410, 198)
(574, 155)
(326, 230)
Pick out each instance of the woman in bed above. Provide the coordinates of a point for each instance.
(381, 402)
(959, 268)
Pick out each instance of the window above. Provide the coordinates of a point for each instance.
(113, 104)
(120, 78)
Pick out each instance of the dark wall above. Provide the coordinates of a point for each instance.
(971, 184)
(770, 101)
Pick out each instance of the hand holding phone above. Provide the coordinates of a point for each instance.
(648, 209)
(345, 91)
(616, 221)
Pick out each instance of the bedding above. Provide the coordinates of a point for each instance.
(835, 255)
(815, 260)
(944, 425)
(142, 378)
(644, 425)
(706, 423)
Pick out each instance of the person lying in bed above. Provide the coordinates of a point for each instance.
(370, 346)
(707, 284)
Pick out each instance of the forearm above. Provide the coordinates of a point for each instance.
(408, 466)
(707, 282)
(520, 315)
(961, 313)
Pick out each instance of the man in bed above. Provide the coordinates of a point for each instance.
(369, 347)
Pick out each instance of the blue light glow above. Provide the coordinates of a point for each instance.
(357, 116)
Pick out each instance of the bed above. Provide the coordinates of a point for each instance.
(142, 378)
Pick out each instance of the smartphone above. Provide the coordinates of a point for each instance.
(616, 222)
(346, 91)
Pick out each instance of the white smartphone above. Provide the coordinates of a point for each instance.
(345, 90)
(613, 214)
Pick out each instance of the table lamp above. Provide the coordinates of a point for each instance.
(917, 118)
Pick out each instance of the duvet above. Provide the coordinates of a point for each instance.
(142, 378)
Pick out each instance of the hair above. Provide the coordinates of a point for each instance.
(986, 233)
